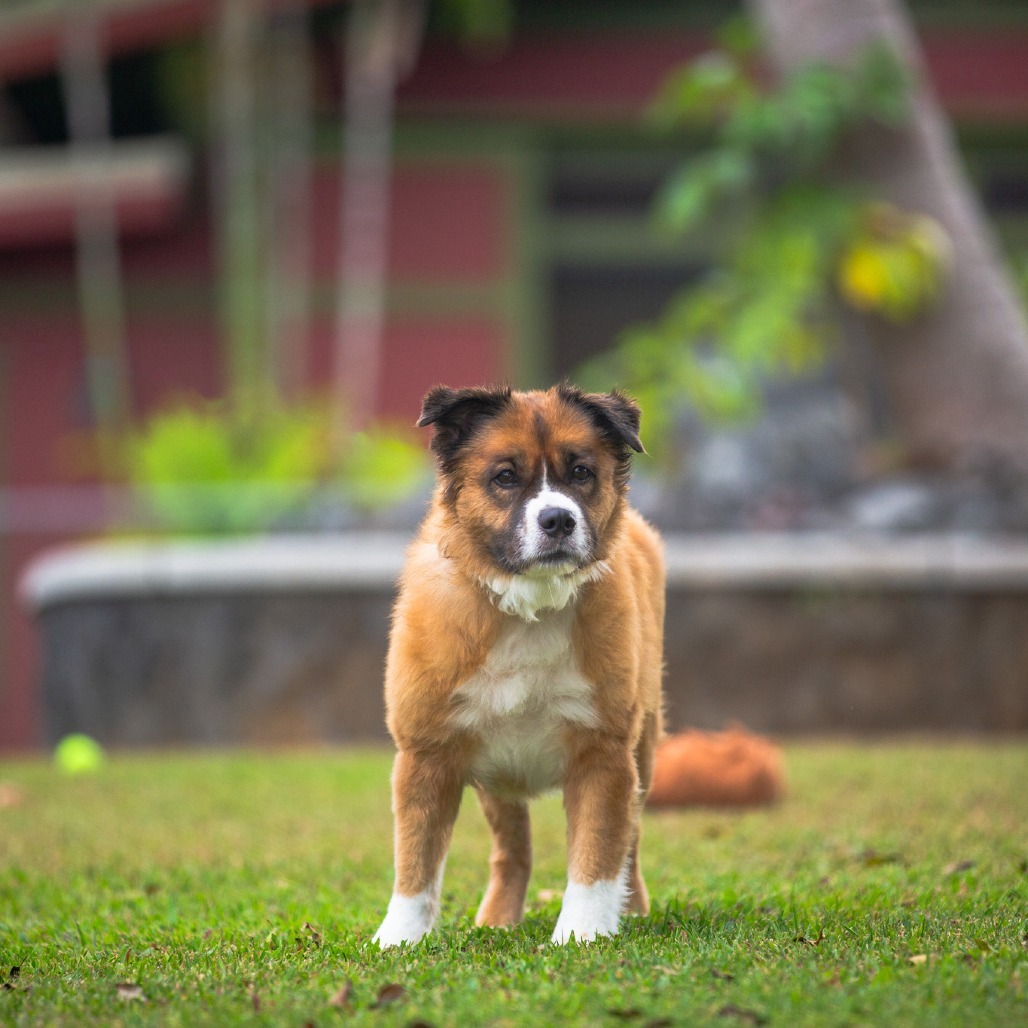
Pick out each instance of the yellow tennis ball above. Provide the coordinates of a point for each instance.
(78, 754)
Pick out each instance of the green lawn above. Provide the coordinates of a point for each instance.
(890, 887)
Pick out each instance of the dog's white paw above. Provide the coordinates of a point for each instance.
(589, 911)
(408, 919)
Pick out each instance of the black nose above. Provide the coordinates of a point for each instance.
(556, 522)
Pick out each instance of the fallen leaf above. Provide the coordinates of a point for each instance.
(957, 866)
(315, 936)
(872, 858)
(10, 982)
(391, 993)
(752, 1016)
(918, 959)
(342, 997)
(130, 992)
(811, 942)
(10, 796)
(723, 975)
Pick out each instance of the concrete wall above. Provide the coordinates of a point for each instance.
(284, 641)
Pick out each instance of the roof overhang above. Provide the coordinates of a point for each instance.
(31, 30)
(41, 188)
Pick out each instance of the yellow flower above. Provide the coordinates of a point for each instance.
(862, 277)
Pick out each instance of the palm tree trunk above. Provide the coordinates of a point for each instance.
(238, 32)
(382, 42)
(957, 378)
(291, 117)
(97, 247)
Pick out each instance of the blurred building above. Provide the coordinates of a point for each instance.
(519, 238)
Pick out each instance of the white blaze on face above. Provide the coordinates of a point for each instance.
(535, 542)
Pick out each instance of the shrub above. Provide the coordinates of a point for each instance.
(208, 468)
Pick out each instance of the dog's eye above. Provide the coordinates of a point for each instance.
(506, 478)
(580, 473)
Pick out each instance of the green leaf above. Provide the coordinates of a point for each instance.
(739, 36)
(693, 193)
(883, 86)
(702, 91)
(382, 467)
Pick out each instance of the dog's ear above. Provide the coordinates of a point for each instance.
(457, 412)
(615, 414)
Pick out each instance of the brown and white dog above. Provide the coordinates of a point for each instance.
(526, 654)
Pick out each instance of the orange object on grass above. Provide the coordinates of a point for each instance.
(733, 768)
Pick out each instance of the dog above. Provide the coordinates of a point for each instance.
(526, 653)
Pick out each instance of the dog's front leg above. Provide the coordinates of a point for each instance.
(426, 797)
(600, 800)
(510, 863)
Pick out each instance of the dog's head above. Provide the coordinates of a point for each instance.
(532, 482)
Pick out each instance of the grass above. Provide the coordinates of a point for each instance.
(890, 887)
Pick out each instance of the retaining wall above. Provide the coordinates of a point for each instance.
(283, 640)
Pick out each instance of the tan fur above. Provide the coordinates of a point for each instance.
(733, 768)
(447, 622)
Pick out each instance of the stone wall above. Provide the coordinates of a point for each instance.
(807, 661)
(284, 641)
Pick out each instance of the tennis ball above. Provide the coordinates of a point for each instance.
(78, 754)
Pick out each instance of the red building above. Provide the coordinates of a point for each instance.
(518, 241)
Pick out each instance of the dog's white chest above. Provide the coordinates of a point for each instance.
(519, 703)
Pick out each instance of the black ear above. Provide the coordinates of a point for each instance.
(615, 414)
(457, 412)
